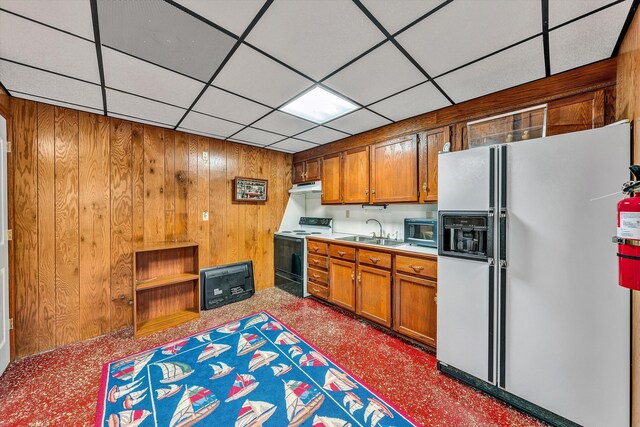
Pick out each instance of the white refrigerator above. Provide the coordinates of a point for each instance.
(529, 307)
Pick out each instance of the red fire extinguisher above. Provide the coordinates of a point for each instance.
(628, 235)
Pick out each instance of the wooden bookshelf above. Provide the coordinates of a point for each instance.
(166, 286)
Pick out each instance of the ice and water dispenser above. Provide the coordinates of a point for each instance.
(466, 235)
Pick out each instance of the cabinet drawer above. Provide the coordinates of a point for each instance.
(318, 261)
(379, 259)
(317, 276)
(318, 290)
(342, 252)
(317, 248)
(421, 267)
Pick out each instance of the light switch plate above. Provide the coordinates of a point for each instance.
(205, 216)
(205, 155)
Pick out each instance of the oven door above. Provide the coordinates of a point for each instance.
(289, 264)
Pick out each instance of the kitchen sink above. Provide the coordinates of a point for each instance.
(371, 240)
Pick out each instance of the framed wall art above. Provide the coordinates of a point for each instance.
(249, 190)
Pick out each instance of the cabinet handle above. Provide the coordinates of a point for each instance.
(373, 191)
(341, 253)
(360, 277)
(366, 191)
(315, 248)
(435, 299)
(417, 268)
(424, 186)
(353, 276)
(315, 276)
(374, 260)
(315, 261)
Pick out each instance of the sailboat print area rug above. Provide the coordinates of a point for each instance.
(250, 372)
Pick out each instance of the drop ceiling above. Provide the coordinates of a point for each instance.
(223, 68)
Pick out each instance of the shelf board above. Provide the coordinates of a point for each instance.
(159, 246)
(166, 281)
(163, 322)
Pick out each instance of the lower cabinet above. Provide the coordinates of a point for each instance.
(415, 308)
(342, 279)
(374, 294)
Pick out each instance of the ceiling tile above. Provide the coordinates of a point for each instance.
(138, 120)
(233, 15)
(156, 31)
(225, 105)
(293, 145)
(283, 123)
(240, 141)
(327, 34)
(520, 64)
(418, 100)
(39, 83)
(34, 44)
(54, 102)
(282, 150)
(587, 40)
(195, 132)
(561, 11)
(73, 16)
(394, 15)
(376, 75)
(202, 123)
(257, 136)
(464, 31)
(251, 74)
(358, 121)
(322, 135)
(122, 103)
(133, 75)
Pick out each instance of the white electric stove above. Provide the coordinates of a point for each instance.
(290, 253)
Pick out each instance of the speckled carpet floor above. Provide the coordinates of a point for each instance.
(60, 387)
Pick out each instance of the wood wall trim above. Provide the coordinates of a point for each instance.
(84, 189)
(591, 77)
(628, 107)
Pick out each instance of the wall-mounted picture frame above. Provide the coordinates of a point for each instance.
(249, 190)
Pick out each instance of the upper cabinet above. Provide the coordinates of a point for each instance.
(332, 179)
(355, 186)
(431, 143)
(394, 170)
(580, 112)
(309, 170)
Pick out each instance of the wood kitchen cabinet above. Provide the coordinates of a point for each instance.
(431, 143)
(394, 170)
(415, 298)
(576, 113)
(309, 170)
(373, 294)
(342, 280)
(332, 179)
(355, 184)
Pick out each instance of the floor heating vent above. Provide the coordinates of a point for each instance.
(225, 284)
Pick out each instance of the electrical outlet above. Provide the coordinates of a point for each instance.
(346, 213)
(205, 155)
(205, 216)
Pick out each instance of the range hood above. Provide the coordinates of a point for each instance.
(307, 187)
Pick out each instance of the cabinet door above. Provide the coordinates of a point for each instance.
(432, 143)
(298, 172)
(394, 171)
(415, 308)
(331, 179)
(374, 294)
(313, 170)
(356, 176)
(342, 279)
(575, 113)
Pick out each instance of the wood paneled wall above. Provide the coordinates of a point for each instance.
(628, 107)
(86, 188)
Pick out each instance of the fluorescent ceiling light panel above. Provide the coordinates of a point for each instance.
(318, 105)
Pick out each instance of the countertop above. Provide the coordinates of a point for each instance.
(405, 247)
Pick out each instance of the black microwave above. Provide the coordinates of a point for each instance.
(421, 232)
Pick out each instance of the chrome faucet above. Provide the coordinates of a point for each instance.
(374, 233)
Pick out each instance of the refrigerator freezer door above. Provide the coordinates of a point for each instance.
(567, 320)
(464, 179)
